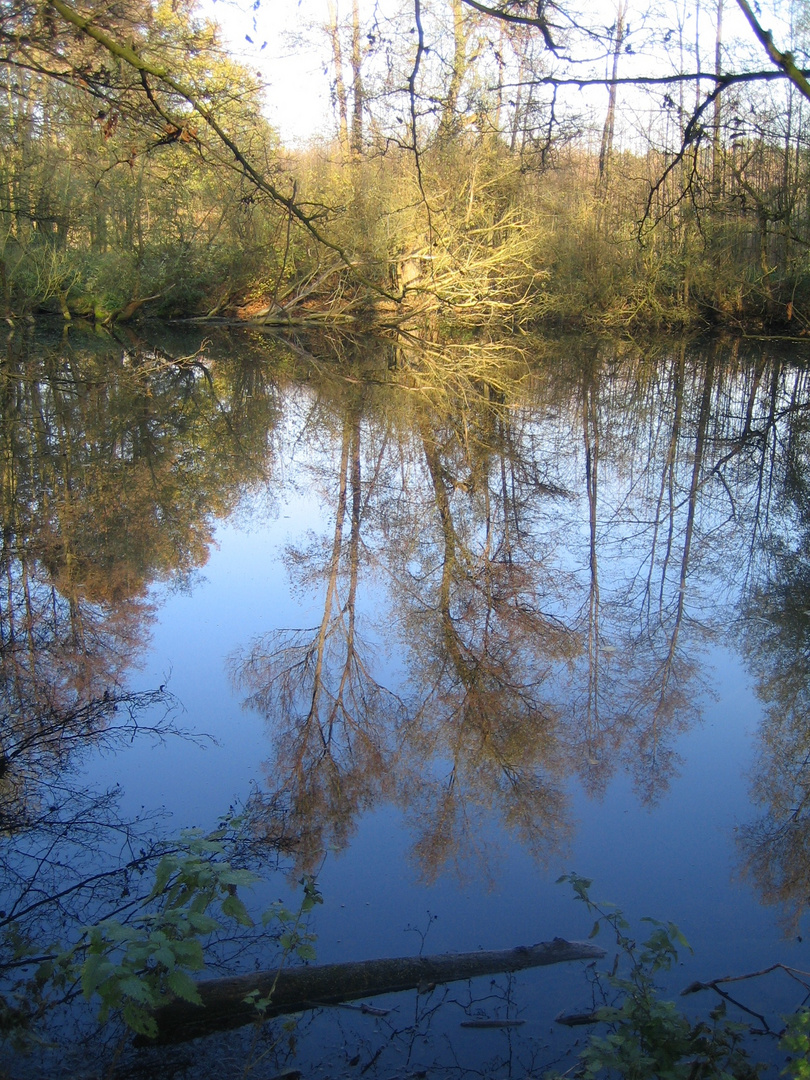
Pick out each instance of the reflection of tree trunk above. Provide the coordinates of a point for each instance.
(349, 474)
(464, 668)
(470, 665)
(224, 1005)
(509, 510)
(667, 486)
(757, 524)
(316, 686)
(666, 666)
(451, 638)
(697, 465)
(331, 588)
(350, 609)
(590, 426)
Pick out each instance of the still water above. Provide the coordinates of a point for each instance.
(443, 623)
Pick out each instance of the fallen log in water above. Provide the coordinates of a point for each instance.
(296, 989)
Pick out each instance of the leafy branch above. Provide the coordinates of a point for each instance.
(647, 1037)
(131, 966)
(147, 68)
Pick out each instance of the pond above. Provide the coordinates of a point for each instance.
(439, 623)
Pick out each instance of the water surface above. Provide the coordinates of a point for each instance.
(454, 620)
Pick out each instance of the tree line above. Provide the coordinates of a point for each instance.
(490, 164)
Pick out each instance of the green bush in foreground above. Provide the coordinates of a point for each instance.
(128, 966)
(648, 1038)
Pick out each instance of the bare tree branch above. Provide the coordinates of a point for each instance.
(722, 81)
(523, 20)
(783, 60)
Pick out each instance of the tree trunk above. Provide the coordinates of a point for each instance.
(717, 178)
(449, 124)
(606, 148)
(357, 82)
(224, 1005)
(340, 86)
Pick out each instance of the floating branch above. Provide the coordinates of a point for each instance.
(229, 1003)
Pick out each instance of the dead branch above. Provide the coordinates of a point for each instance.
(229, 1003)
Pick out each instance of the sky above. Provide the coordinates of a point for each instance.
(297, 89)
(279, 40)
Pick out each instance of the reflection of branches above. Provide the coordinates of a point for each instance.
(50, 869)
(481, 649)
(52, 828)
(98, 497)
(666, 705)
(36, 748)
(775, 637)
(719, 987)
(68, 857)
(421, 1034)
(638, 690)
(776, 846)
(492, 559)
(317, 685)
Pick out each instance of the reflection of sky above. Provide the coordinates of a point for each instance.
(244, 590)
(673, 861)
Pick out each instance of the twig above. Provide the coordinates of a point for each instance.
(712, 984)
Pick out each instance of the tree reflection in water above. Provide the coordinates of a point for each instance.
(100, 497)
(332, 718)
(532, 641)
(523, 560)
(775, 637)
(481, 643)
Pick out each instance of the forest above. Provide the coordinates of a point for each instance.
(512, 164)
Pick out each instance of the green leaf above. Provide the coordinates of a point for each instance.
(164, 871)
(679, 937)
(44, 972)
(95, 970)
(189, 954)
(201, 923)
(594, 929)
(165, 955)
(184, 987)
(233, 907)
(139, 1020)
(138, 989)
(112, 930)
